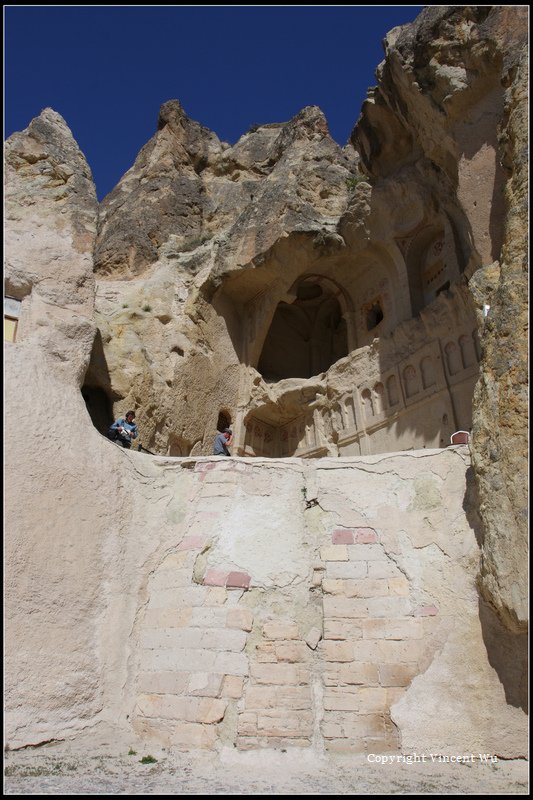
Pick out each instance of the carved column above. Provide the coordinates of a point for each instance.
(351, 330)
(239, 434)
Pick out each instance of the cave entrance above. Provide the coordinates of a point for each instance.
(96, 389)
(99, 407)
(307, 335)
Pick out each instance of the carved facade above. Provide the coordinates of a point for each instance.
(393, 318)
(434, 384)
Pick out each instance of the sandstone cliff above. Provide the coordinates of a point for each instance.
(500, 445)
(51, 213)
(54, 501)
(154, 300)
(451, 102)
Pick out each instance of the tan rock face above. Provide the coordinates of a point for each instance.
(276, 179)
(310, 268)
(277, 262)
(500, 445)
(441, 98)
(161, 194)
(54, 545)
(51, 211)
(187, 187)
(451, 100)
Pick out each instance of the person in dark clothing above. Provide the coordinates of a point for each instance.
(222, 440)
(124, 430)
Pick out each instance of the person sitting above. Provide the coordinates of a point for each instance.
(222, 440)
(124, 430)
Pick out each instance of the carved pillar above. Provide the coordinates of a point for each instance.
(351, 330)
(320, 435)
(364, 440)
(239, 434)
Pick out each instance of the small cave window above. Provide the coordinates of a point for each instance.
(178, 447)
(224, 421)
(374, 315)
(443, 288)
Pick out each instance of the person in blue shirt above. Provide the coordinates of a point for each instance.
(124, 430)
(222, 440)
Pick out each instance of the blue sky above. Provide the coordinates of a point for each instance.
(107, 70)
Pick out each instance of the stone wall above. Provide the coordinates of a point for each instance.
(303, 601)
(255, 603)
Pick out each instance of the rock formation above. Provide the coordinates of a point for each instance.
(51, 214)
(452, 103)
(325, 302)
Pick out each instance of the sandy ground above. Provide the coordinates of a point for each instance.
(86, 766)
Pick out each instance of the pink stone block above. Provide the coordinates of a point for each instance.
(365, 536)
(215, 577)
(426, 611)
(192, 543)
(238, 580)
(342, 536)
(204, 466)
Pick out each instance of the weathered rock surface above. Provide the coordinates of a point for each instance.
(161, 194)
(452, 102)
(500, 444)
(53, 586)
(187, 187)
(234, 204)
(250, 223)
(51, 211)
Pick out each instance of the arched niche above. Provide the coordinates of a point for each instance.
(378, 283)
(178, 447)
(379, 398)
(308, 334)
(427, 370)
(349, 411)
(432, 263)
(410, 381)
(367, 404)
(453, 358)
(224, 420)
(468, 352)
(392, 391)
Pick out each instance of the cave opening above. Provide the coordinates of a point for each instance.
(306, 336)
(96, 390)
(223, 421)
